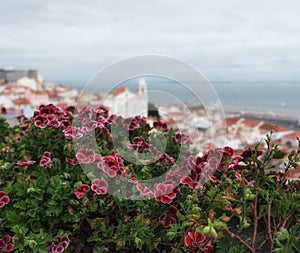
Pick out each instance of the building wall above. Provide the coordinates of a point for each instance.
(15, 74)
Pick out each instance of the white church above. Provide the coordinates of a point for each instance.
(126, 103)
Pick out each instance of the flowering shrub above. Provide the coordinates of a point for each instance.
(58, 195)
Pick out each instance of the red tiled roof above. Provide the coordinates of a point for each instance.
(231, 121)
(273, 127)
(20, 101)
(119, 91)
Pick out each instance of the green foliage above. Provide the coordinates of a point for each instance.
(244, 191)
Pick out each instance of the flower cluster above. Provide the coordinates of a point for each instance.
(6, 244)
(50, 116)
(196, 242)
(46, 160)
(169, 216)
(164, 193)
(4, 199)
(81, 191)
(112, 164)
(59, 246)
(99, 186)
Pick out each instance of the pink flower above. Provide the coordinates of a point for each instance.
(144, 190)
(182, 138)
(161, 126)
(139, 143)
(82, 190)
(166, 158)
(244, 181)
(228, 151)
(4, 199)
(164, 193)
(85, 156)
(6, 244)
(169, 217)
(196, 241)
(26, 163)
(60, 245)
(3, 110)
(46, 160)
(41, 121)
(99, 186)
(72, 161)
(112, 164)
(65, 124)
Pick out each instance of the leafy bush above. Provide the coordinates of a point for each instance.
(61, 189)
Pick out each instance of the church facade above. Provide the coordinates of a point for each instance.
(126, 103)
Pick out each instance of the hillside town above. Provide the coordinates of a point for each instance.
(22, 92)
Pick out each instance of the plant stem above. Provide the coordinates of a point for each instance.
(284, 222)
(232, 235)
(255, 221)
(269, 225)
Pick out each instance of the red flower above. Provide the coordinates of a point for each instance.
(195, 241)
(182, 138)
(3, 110)
(72, 161)
(244, 181)
(139, 143)
(46, 160)
(111, 164)
(82, 190)
(65, 124)
(4, 199)
(165, 157)
(99, 186)
(60, 245)
(144, 190)
(161, 126)
(26, 163)
(85, 156)
(41, 121)
(164, 193)
(6, 244)
(228, 151)
(169, 216)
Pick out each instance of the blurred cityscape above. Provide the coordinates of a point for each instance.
(23, 91)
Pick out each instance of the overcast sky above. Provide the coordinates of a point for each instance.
(226, 40)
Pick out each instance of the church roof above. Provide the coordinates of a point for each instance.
(119, 91)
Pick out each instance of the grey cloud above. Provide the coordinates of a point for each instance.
(229, 39)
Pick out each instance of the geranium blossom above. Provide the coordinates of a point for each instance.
(161, 126)
(139, 143)
(82, 190)
(6, 244)
(3, 110)
(112, 164)
(59, 246)
(26, 163)
(182, 138)
(196, 241)
(144, 190)
(164, 193)
(46, 160)
(99, 186)
(85, 156)
(4, 199)
(169, 216)
(72, 161)
(41, 121)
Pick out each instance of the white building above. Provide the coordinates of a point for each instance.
(126, 103)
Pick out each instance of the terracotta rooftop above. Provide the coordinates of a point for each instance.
(273, 127)
(119, 91)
